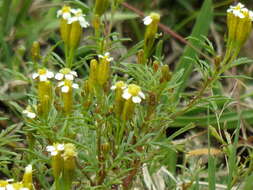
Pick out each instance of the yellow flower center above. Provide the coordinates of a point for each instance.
(134, 89)
(42, 71)
(155, 16)
(120, 84)
(66, 9)
(65, 71)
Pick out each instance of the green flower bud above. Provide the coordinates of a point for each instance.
(101, 6)
(152, 22)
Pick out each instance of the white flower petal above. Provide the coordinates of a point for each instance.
(35, 75)
(126, 95)
(66, 15)
(2, 188)
(72, 19)
(10, 187)
(69, 77)
(107, 54)
(25, 112)
(31, 115)
(74, 85)
(65, 89)
(109, 59)
(101, 56)
(43, 77)
(50, 74)
(50, 148)
(147, 20)
(60, 147)
(29, 169)
(113, 87)
(136, 99)
(84, 24)
(54, 153)
(59, 76)
(59, 13)
(73, 73)
(141, 94)
(61, 83)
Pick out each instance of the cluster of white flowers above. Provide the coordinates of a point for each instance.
(73, 15)
(66, 85)
(131, 91)
(55, 149)
(66, 73)
(28, 112)
(65, 150)
(43, 75)
(240, 11)
(106, 56)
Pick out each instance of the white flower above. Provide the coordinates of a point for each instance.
(106, 56)
(55, 149)
(251, 15)
(134, 92)
(43, 75)
(66, 73)
(66, 85)
(147, 20)
(28, 169)
(78, 16)
(10, 187)
(119, 85)
(65, 12)
(239, 10)
(29, 114)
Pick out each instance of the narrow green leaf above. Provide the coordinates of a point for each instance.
(201, 28)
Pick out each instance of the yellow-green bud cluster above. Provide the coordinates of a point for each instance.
(125, 99)
(239, 23)
(72, 22)
(63, 161)
(101, 6)
(45, 96)
(99, 72)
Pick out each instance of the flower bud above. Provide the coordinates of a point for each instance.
(92, 81)
(140, 57)
(75, 35)
(104, 68)
(166, 75)
(45, 97)
(119, 101)
(65, 31)
(239, 24)
(67, 94)
(55, 151)
(152, 22)
(35, 51)
(65, 14)
(156, 65)
(69, 157)
(27, 178)
(100, 7)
